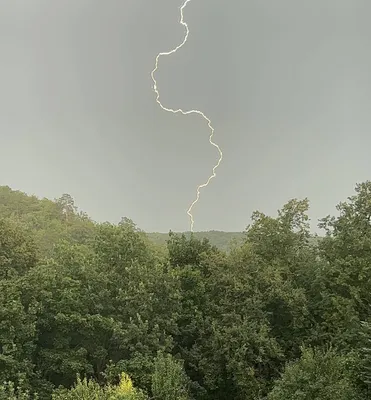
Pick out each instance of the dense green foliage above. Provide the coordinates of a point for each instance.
(222, 240)
(279, 316)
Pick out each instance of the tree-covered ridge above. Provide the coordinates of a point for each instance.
(49, 220)
(97, 311)
(222, 240)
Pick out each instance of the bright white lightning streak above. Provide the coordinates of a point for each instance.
(199, 187)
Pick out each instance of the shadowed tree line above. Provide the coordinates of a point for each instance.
(98, 311)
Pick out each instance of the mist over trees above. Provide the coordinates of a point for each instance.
(102, 311)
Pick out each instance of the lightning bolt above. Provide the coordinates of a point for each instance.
(155, 88)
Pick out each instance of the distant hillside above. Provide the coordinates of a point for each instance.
(52, 220)
(220, 239)
(49, 220)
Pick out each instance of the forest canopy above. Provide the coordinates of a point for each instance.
(105, 311)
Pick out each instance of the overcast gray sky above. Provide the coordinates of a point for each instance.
(286, 83)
